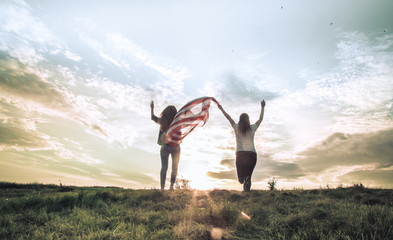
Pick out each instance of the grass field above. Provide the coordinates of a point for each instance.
(35, 211)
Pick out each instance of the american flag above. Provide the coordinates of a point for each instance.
(193, 114)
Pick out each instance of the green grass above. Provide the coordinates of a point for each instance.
(35, 211)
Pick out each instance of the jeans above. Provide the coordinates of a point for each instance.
(174, 151)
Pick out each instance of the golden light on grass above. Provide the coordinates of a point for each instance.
(245, 216)
(216, 233)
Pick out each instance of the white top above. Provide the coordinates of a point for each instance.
(245, 142)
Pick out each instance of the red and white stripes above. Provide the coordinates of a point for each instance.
(194, 114)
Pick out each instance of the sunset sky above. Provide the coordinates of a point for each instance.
(77, 77)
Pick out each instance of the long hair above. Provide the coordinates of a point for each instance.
(244, 123)
(167, 116)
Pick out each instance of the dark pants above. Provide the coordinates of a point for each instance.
(245, 164)
(174, 151)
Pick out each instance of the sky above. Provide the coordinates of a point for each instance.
(77, 78)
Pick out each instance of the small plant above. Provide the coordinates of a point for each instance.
(272, 183)
(183, 184)
(359, 186)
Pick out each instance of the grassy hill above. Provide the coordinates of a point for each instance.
(35, 211)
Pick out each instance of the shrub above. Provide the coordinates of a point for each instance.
(272, 183)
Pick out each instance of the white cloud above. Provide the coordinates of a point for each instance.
(112, 60)
(124, 53)
(23, 135)
(124, 114)
(353, 97)
(27, 55)
(73, 56)
(17, 19)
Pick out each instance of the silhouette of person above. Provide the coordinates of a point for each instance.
(165, 121)
(246, 156)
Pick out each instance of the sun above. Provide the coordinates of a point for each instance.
(201, 184)
(197, 174)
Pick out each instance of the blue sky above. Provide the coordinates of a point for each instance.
(76, 79)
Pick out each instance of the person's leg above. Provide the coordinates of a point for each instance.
(250, 165)
(247, 184)
(240, 169)
(245, 164)
(175, 163)
(164, 164)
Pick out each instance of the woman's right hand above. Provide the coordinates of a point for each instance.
(263, 103)
(151, 104)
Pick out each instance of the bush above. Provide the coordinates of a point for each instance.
(272, 183)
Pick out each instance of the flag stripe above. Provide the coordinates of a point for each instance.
(195, 102)
(185, 121)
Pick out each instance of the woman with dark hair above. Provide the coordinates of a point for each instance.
(165, 121)
(246, 156)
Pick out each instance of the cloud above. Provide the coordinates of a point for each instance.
(18, 80)
(232, 88)
(33, 85)
(33, 89)
(237, 88)
(21, 134)
(353, 97)
(223, 174)
(20, 139)
(350, 149)
(265, 168)
(73, 56)
(16, 19)
(120, 108)
(350, 158)
(359, 91)
(227, 162)
(376, 178)
(27, 55)
(340, 158)
(127, 55)
(336, 127)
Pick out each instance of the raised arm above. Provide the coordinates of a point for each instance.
(257, 123)
(153, 117)
(226, 115)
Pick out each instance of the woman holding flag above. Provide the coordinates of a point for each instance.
(174, 127)
(165, 121)
(246, 156)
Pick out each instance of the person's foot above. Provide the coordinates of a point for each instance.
(162, 189)
(171, 187)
